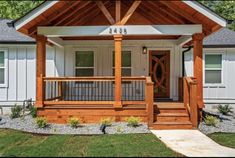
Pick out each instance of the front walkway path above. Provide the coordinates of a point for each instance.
(193, 143)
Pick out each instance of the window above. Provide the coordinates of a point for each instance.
(84, 64)
(126, 63)
(2, 67)
(213, 68)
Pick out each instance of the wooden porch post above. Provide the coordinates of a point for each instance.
(118, 71)
(40, 69)
(198, 66)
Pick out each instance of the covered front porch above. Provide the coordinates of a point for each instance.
(120, 67)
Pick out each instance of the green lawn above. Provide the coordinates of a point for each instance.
(13, 143)
(225, 139)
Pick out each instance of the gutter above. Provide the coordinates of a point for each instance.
(183, 57)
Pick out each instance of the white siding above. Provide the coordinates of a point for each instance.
(140, 62)
(218, 93)
(61, 62)
(22, 71)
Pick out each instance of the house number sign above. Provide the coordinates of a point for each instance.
(117, 30)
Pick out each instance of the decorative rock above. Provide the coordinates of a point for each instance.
(27, 124)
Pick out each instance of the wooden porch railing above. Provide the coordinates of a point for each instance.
(190, 99)
(98, 91)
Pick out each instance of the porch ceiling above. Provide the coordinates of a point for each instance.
(88, 13)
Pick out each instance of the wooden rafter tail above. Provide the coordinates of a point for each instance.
(130, 12)
(105, 11)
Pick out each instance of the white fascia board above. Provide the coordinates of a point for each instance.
(56, 41)
(34, 13)
(207, 12)
(69, 31)
(183, 40)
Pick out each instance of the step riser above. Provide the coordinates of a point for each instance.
(162, 127)
(171, 111)
(171, 118)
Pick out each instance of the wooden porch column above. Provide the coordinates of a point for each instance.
(118, 71)
(198, 66)
(40, 69)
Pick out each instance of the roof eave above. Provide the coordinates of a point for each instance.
(207, 12)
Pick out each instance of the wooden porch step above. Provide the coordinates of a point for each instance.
(172, 125)
(171, 117)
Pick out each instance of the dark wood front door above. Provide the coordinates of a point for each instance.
(160, 72)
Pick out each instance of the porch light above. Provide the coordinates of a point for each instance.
(144, 50)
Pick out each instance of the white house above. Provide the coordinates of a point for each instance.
(219, 67)
(94, 59)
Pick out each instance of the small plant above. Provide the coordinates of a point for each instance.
(41, 122)
(211, 121)
(107, 121)
(33, 111)
(73, 122)
(133, 121)
(16, 111)
(225, 110)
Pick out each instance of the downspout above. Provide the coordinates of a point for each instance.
(183, 57)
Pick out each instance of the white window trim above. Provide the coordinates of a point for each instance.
(5, 84)
(222, 69)
(85, 49)
(125, 50)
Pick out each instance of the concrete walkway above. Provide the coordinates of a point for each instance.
(192, 143)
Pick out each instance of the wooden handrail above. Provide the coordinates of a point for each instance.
(95, 78)
(190, 99)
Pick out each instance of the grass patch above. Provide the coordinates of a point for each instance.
(14, 143)
(225, 139)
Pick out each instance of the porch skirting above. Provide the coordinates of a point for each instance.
(91, 114)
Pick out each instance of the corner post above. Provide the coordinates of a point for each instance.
(198, 66)
(118, 71)
(193, 104)
(149, 100)
(40, 69)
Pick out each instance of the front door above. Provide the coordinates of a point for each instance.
(160, 73)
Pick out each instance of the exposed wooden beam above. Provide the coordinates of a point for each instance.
(67, 18)
(130, 12)
(83, 13)
(165, 13)
(105, 11)
(68, 31)
(54, 16)
(154, 14)
(118, 11)
(173, 6)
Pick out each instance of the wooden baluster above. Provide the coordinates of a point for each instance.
(193, 104)
(60, 95)
(149, 100)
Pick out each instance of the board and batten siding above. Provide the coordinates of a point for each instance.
(61, 62)
(140, 62)
(21, 78)
(217, 93)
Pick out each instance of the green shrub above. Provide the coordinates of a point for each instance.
(33, 111)
(107, 121)
(211, 121)
(225, 110)
(16, 111)
(133, 121)
(41, 122)
(74, 122)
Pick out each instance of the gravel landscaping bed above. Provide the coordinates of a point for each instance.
(27, 124)
(226, 123)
